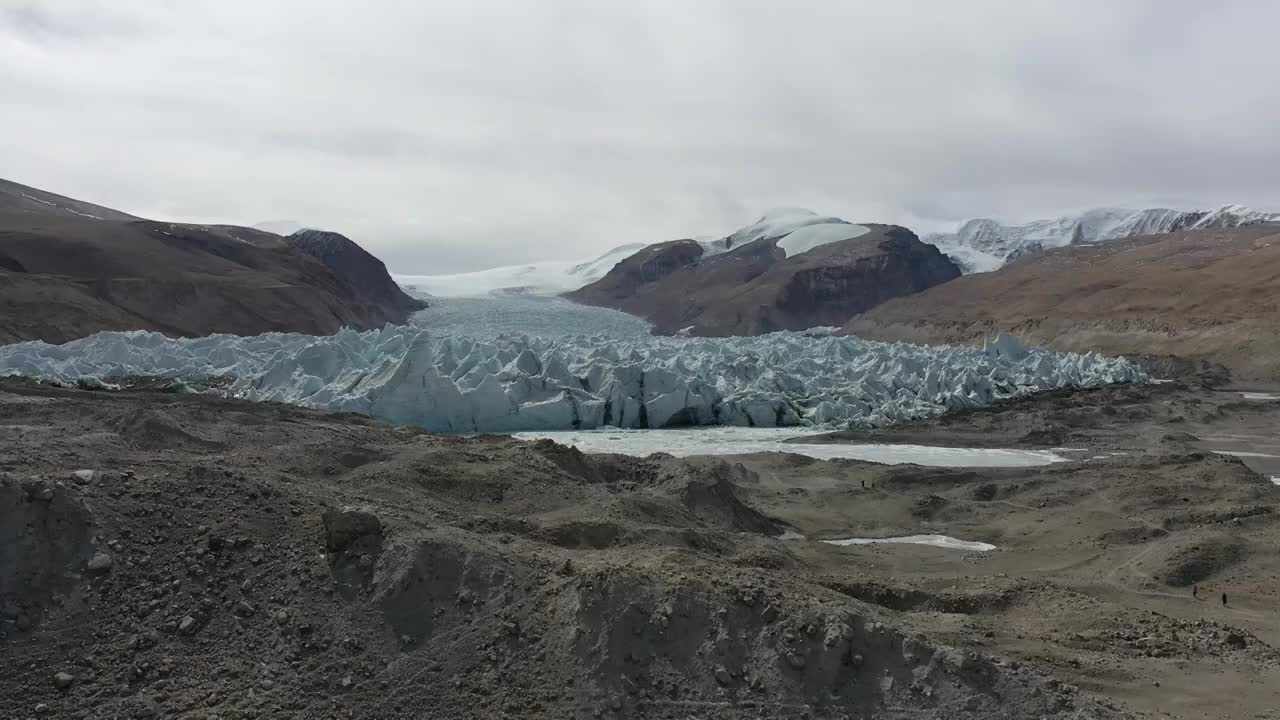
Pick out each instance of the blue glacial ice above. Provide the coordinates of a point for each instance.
(445, 381)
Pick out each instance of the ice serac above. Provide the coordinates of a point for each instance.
(985, 245)
(508, 383)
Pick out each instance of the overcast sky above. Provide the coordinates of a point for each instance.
(455, 135)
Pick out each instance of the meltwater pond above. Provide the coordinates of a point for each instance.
(740, 441)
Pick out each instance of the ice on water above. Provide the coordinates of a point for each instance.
(741, 441)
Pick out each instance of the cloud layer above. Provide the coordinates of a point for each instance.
(458, 134)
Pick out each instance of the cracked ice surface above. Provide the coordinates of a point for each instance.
(507, 383)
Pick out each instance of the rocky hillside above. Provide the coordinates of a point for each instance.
(1210, 295)
(70, 269)
(360, 272)
(792, 270)
(984, 245)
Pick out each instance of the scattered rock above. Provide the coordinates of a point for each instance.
(63, 680)
(243, 609)
(101, 562)
(187, 625)
(84, 477)
(38, 489)
(796, 661)
(722, 675)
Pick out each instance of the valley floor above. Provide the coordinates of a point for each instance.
(229, 559)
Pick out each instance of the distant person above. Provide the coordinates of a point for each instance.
(1224, 599)
(1195, 591)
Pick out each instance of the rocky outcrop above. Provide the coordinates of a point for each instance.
(69, 269)
(362, 273)
(778, 281)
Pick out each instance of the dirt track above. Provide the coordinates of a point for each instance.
(486, 577)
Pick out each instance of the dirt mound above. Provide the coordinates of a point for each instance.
(46, 548)
(154, 429)
(710, 493)
(1202, 561)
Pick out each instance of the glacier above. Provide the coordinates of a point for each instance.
(550, 277)
(511, 382)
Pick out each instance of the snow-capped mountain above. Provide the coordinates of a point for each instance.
(797, 230)
(984, 245)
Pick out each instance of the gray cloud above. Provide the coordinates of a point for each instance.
(456, 134)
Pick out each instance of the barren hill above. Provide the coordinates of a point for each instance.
(1208, 295)
(69, 269)
(798, 277)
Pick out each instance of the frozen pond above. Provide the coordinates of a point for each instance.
(941, 541)
(740, 441)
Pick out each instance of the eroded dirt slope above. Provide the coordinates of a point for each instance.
(223, 559)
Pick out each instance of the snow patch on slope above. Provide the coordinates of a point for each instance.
(812, 236)
(508, 383)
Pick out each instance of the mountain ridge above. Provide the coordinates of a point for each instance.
(983, 244)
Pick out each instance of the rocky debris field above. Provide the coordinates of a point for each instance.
(169, 555)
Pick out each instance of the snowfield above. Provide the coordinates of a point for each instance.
(509, 382)
(541, 278)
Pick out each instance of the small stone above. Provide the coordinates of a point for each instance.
(100, 562)
(1155, 683)
(84, 477)
(281, 617)
(795, 661)
(38, 488)
(187, 626)
(346, 682)
(722, 675)
(243, 609)
(42, 709)
(266, 684)
(63, 680)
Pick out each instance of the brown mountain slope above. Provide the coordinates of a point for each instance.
(755, 288)
(69, 269)
(1209, 295)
